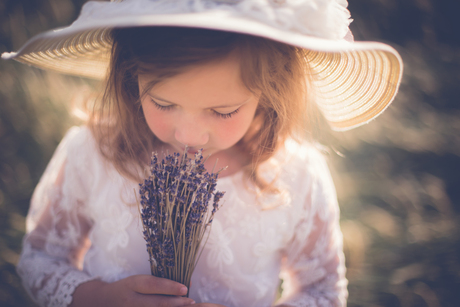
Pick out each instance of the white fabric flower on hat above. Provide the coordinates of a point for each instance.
(320, 18)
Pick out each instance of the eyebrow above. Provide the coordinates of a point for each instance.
(213, 107)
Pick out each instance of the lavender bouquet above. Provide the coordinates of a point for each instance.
(174, 203)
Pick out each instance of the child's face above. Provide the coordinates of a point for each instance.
(207, 106)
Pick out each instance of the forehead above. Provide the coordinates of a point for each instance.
(217, 81)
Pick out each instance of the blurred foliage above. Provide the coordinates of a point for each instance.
(397, 181)
(34, 114)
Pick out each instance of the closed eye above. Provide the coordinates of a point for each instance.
(170, 107)
(160, 106)
(226, 115)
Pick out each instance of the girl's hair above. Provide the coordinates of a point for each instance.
(278, 71)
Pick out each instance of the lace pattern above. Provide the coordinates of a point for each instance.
(50, 282)
(80, 198)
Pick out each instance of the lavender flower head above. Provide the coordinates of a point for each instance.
(174, 203)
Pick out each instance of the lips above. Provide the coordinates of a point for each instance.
(190, 150)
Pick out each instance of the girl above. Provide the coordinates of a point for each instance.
(240, 79)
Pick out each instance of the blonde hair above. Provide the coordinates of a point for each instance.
(278, 71)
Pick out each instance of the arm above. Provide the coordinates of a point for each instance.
(313, 267)
(57, 230)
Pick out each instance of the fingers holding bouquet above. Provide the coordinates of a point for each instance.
(136, 290)
(205, 305)
(151, 291)
(159, 292)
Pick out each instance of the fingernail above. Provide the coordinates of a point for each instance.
(183, 290)
(193, 302)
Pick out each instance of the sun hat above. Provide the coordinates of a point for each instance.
(355, 81)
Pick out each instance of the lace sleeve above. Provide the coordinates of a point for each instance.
(57, 230)
(313, 269)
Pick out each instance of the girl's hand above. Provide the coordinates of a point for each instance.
(205, 305)
(137, 290)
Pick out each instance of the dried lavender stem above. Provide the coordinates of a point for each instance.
(174, 210)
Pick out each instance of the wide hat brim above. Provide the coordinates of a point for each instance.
(355, 81)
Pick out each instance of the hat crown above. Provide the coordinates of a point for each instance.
(327, 19)
(354, 82)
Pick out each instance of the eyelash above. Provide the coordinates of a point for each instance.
(227, 115)
(160, 107)
(223, 116)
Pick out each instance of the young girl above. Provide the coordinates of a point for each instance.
(240, 79)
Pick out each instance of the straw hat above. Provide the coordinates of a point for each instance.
(356, 81)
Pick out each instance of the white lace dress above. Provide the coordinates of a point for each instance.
(84, 224)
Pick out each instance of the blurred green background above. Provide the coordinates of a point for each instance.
(397, 182)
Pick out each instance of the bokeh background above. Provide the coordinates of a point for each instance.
(397, 178)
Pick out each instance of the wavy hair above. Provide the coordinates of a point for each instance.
(278, 71)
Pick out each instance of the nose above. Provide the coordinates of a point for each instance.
(191, 132)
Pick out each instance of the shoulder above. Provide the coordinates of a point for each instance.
(297, 166)
(79, 140)
(78, 137)
(309, 164)
(302, 158)
(305, 168)
(80, 149)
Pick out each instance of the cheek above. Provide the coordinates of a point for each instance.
(158, 123)
(234, 130)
